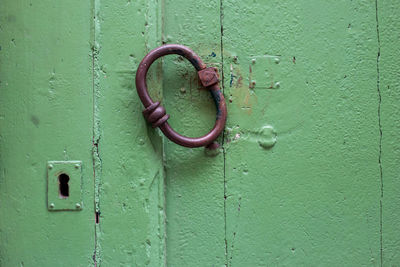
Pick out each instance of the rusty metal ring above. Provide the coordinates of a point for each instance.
(156, 114)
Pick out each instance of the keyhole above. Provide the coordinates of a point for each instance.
(63, 185)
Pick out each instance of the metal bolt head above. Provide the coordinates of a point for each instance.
(51, 206)
(77, 166)
(208, 76)
(77, 205)
(50, 166)
(253, 61)
(141, 141)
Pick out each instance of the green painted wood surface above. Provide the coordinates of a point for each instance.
(194, 180)
(45, 114)
(313, 197)
(130, 175)
(389, 88)
(308, 174)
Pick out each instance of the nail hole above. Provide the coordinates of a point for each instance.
(63, 185)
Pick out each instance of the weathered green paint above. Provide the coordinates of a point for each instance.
(313, 197)
(130, 176)
(389, 114)
(309, 171)
(194, 181)
(45, 114)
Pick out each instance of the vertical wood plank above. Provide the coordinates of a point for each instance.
(389, 92)
(194, 180)
(129, 173)
(302, 171)
(45, 114)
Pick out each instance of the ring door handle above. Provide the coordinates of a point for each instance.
(156, 114)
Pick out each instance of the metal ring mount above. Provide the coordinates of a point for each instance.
(156, 114)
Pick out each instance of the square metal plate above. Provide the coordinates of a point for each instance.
(265, 72)
(64, 185)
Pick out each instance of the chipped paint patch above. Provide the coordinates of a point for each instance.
(241, 94)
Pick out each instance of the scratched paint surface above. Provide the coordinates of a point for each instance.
(45, 114)
(302, 170)
(389, 87)
(309, 170)
(129, 177)
(194, 180)
(313, 196)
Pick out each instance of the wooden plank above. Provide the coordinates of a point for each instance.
(302, 172)
(389, 95)
(194, 180)
(45, 114)
(129, 173)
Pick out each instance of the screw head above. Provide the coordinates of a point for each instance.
(50, 166)
(77, 166)
(253, 61)
(52, 206)
(77, 205)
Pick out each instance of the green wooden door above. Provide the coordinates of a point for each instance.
(308, 173)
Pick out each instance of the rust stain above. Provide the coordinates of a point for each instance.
(242, 95)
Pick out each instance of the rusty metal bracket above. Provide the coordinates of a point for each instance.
(155, 114)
